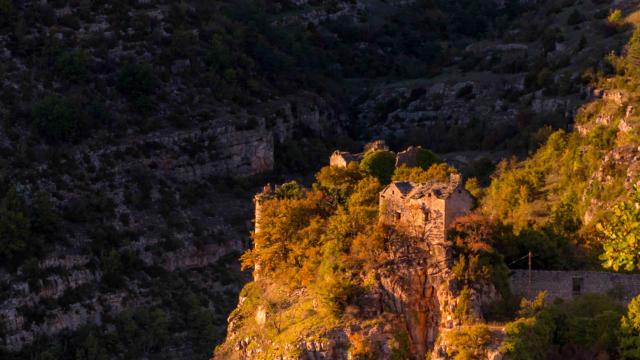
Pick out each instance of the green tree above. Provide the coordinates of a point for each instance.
(380, 164)
(615, 17)
(633, 53)
(468, 342)
(621, 235)
(290, 190)
(436, 172)
(91, 349)
(72, 65)
(529, 338)
(44, 218)
(15, 227)
(135, 81)
(425, 158)
(630, 331)
(112, 270)
(55, 118)
(473, 188)
(7, 12)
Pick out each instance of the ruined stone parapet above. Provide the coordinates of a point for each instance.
(343, 159)
(375, 146)
(259, 200)
(409, 157)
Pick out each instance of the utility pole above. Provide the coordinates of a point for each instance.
(529, 287)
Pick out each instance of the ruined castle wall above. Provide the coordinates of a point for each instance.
(458, 204)
(337, 160)
(568, 284)
(390, 203)
(425, 218)
(409, 157)
(422, 218)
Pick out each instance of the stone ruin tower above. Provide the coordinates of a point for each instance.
(259, 199)
(424, 211)
(420, 282)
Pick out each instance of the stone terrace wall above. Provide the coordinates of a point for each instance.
(560, 284)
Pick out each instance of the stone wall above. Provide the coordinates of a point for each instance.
(458, 204)
(568, 284)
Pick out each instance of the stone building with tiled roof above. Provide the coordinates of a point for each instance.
(424, 210)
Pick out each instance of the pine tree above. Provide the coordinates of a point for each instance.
(633, 54)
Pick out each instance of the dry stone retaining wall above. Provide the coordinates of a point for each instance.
(568, 284)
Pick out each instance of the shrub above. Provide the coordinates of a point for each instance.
(437, 172)
(620, 235)
(468, 342)
(463, 308)
(633, 53)
(615, 17)
(425, 158)
(379, 164)
(15, 228)
(56, 119)
(402, 348)
(361, 347)
(290, 190)
(336, 293)
(135, 81)
(529, 338)
(72, 65)
(588, 324)
(630, 331)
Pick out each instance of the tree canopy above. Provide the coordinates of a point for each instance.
(380, 164)
(621, 235)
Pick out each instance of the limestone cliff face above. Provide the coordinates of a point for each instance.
(398, 109)
(415, 293)
(618, 169)
(230, 144)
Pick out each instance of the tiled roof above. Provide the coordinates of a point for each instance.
(404, 186)
(441, 190)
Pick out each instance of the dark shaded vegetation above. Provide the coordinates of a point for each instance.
(586, 326)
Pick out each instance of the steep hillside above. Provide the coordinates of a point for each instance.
(135, 132)
(334, 278)
(557, 196)
(500, 91)
(124, 127)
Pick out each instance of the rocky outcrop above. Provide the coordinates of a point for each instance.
(622, 164)
(415, 293)
(397, 109)
(230, 145)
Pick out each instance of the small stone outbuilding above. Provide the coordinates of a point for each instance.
(344, 158)
(407, 157)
